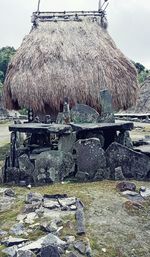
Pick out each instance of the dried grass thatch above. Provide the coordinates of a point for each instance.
(68, 59)
(143, 102)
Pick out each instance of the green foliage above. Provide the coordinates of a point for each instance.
(23, 111)
(143, 73)
(5, 55)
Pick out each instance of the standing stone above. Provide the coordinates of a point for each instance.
(82, 113)
(107, 114)
(80, 219)
(67, 142)
(90, 156)
(124, 139)
(134, 165)
(119, 174)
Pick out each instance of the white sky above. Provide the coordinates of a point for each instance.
(129, 22)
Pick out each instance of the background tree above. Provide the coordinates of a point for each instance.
(143, 73)
(5, 55)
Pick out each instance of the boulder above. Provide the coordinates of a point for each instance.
(49, 251)
(146, 193)
(90, 156)
(80, 246)
(10, 251)
(27, 168)
(102, 173)
(82, 113)
(124, 186)
(9, 192)
(53, 166)
(18, 229)
(134, 165)
(12, 175)
(53, 240)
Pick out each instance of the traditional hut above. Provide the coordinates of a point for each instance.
(143, 102)
(71, 55)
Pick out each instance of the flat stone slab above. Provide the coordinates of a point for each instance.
(13, 241)
(50, 204)
(50, 239)
(102, 126)
(40, 127)
(67, 201)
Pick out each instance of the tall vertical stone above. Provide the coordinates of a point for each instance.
(107, 114)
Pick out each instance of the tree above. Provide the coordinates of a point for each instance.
(143, 73)
(5, 55)
(140, 68)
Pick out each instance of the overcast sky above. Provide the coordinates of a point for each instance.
(129, 22)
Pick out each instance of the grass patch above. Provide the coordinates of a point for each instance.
(3, 150)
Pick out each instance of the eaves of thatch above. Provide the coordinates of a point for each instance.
(68, 59)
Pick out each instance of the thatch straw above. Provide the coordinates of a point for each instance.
(143, 102)
(68, 59)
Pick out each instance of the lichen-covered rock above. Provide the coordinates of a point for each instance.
(134, 165)
(90, 156)
(53, 166)
(26, 168)
(33, 197)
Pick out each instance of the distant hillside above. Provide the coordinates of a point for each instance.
(143, 102)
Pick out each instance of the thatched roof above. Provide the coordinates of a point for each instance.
(68, 59)
(143, 102)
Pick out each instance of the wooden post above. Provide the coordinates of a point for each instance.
(99, 5)
(13, 149)
(30, 115)
(38, 9)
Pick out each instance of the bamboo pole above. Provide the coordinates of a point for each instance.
(38, 9)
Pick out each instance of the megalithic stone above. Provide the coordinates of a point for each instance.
(107, 114)
(80, 218)
(66, 111)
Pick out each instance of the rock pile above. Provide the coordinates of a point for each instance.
(47, 214)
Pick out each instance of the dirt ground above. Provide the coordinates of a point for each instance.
(113, 230)
(4, 134)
